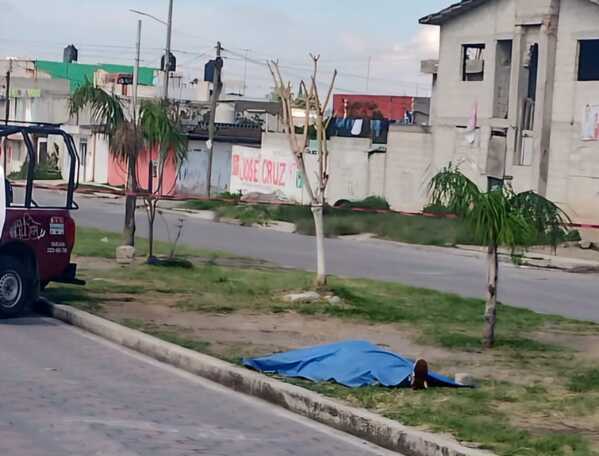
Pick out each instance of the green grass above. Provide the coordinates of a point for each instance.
(92, 242)
(443, 319)
(472, 415)
(344, 221)
(43, 171)
(585, 381)
(497, 415)
(482, 415)
(205, 205)
(371, 202)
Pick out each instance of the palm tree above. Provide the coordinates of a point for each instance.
(499, 217)
(108, 112)
(161, 133)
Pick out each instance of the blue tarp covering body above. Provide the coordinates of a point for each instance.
(351, 363)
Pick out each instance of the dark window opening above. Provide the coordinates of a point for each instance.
(588, 60)
(503, 75)
(473, 62)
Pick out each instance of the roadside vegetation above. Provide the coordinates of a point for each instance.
(43, 171)
(539, 387)
(346, 221)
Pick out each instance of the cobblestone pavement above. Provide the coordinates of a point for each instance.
(66, 393)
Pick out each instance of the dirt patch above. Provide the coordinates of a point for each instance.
(267, 333)
(587, 346)
(106, 264)
(94, 263)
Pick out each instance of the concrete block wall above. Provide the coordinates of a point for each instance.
(573, 179)
(349, 169)
(377, 173)
(456, 98)
(408, 171)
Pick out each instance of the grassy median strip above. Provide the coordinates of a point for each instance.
(341, 222)
(420, 230)
(92, 242)
(539, 391)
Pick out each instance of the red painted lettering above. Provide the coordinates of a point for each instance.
(236, 170)
(281, 180)
(256, 164)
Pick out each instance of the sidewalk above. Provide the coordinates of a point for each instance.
(568, 258)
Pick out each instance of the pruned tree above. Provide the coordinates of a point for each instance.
(315, 108)
(161, 134)
(499, 217)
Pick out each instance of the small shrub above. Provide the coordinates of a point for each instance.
(43, 171)
(436, 209)
(372, 202)
(585, 381)
(202, 205)
(235, 197)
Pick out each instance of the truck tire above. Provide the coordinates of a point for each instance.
(16, 287)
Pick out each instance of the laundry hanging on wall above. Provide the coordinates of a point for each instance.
(590, 123)
(471, 132)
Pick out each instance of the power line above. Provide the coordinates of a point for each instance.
(340, 73)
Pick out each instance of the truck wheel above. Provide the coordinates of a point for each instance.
(16, 287)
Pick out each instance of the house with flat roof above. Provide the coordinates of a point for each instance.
(516, 97)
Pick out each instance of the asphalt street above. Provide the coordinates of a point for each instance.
(464, 273)
(64, 392)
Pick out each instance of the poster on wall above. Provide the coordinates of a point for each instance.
(266, 173)
(590, 123)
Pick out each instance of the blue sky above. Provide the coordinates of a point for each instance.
(345, 33)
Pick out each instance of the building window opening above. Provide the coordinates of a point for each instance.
(473, 62)
(588, 60)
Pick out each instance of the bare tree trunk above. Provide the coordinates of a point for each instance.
(321, 274)
(491, 305)
(151, 204)
(130, 205)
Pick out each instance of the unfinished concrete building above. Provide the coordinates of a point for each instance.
(516, 97)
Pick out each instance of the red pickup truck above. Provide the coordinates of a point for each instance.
(37, 240)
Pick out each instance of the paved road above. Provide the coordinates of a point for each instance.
(67, 393)
(572, 295)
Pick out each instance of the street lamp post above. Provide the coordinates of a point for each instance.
(167, 59)
(136, 73)
(169, 31)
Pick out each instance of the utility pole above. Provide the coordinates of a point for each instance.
(245, 71)
(7, 94)
(167, 58)
(136, 74)
(368, 74)
(7, 111)
(217, 87)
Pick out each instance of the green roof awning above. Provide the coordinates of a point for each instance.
(78, 73)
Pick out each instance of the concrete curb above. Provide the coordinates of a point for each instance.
(543, 261)
(360, 423)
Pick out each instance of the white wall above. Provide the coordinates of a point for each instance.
(269, 171)
(574, 164)
(349, 169)
(409, 168)
(400, 174)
